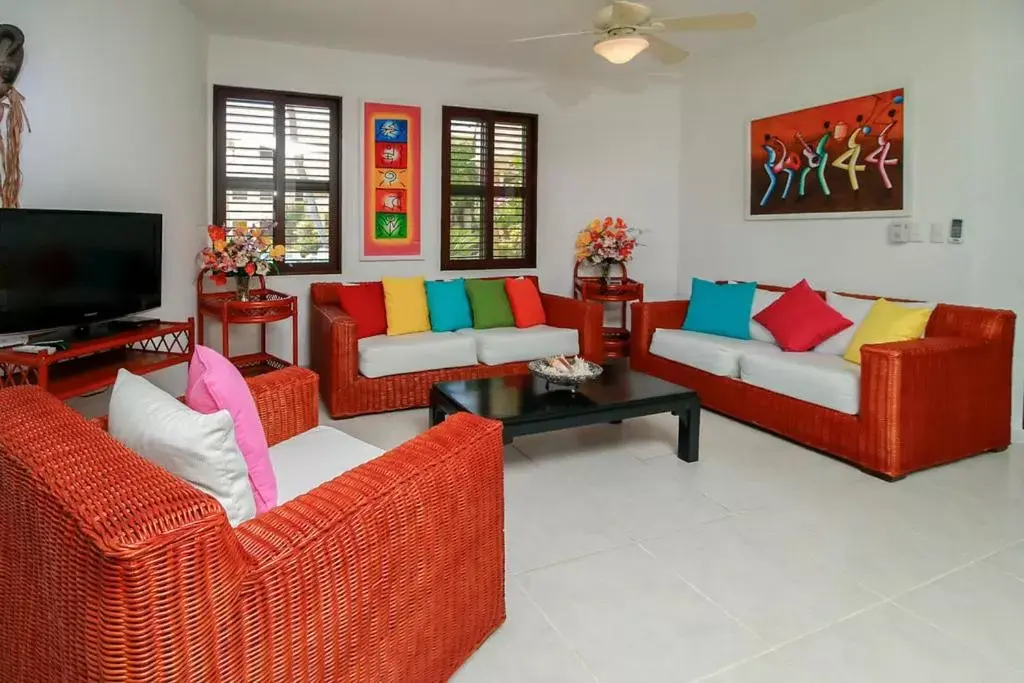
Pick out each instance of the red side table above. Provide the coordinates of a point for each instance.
(264, 306)
(621, 292)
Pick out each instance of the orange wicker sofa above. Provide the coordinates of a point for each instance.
(922, 403)
(334, 355)
(111, 569)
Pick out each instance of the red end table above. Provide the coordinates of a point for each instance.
(264, 306)
(621, 292)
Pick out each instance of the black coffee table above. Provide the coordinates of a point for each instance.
(525, 405)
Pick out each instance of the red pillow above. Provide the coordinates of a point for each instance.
(800, 319)
(365, 303)
(527, 308)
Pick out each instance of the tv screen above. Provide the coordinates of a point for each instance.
(74, 268)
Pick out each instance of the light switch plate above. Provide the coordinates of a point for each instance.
(916, 231)
(939, 232)
(899, 232)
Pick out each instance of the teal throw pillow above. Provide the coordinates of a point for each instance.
(720, 309)
(490, 304)
(449, 306)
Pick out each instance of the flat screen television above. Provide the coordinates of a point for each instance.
(76, 268)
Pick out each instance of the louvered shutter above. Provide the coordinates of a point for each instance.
(488, 190)
(277, 161)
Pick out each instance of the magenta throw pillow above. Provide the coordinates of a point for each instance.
(214, 384)
(800, 319)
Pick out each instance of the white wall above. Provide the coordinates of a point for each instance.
(602, 156)
(116, 98)
(961, 65)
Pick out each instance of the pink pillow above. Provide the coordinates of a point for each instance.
(800, 319)
(214, 383)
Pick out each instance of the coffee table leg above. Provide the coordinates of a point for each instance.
(688, 446)
(437, 414)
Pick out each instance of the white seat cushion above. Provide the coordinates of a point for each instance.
(305, 461)
(818, 378)
(513, 345)
(381, 356)
(707, 352)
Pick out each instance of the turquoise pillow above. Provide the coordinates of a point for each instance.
(720, 309)
(449, 306)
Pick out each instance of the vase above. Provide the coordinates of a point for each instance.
(609, 281)
(242, 287)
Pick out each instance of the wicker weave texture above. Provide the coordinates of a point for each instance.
(111, 569)
(923, 403)
(334, 354)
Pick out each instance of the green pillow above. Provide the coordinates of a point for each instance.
(490, 304)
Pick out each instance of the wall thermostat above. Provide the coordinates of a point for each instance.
(956, 231)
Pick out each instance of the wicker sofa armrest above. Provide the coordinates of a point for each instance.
(925, 398)
(408, 548)
(287, 402)
(649, 316)
(334, 350)
(585, 316)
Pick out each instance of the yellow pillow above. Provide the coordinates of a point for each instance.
(887, 322)
(405, 299)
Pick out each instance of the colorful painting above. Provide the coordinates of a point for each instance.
(391, 183)
(841, 159)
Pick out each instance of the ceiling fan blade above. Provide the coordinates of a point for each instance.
(710, 22)
(666, 52)
(557, 35)
(625, 13)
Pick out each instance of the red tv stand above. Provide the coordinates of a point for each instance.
(92, 364)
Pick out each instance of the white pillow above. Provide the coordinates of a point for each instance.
(762, 300)
(201, 449)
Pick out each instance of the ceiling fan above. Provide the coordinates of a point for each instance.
(629, 28)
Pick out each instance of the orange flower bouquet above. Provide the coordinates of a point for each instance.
(241, 253)
(607, 242)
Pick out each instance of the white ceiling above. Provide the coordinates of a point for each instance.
(478, 31)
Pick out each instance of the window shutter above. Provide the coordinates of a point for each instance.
(277, 161)
(488, 190)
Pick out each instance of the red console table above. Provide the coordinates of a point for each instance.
(265, 306)
(91, 365)
(620, 291)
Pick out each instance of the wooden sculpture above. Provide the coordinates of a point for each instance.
(12, 110)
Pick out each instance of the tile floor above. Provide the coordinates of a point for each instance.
(764, 562)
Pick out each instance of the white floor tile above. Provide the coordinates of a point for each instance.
(779, 592)
(979, 605)
(882, 645)
(526, 649)
(632, 619)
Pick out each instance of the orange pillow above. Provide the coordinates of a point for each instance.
(527, 308)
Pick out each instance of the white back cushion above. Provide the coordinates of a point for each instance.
(762, 300)
(854, 310)
(201, 449)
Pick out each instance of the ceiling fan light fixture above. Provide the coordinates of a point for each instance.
(621, 49)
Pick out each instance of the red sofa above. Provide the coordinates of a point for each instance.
(334, 355)
(922, 403)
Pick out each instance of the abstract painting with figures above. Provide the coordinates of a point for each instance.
(841, 159)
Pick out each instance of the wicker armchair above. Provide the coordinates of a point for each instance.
(334, 354)
(111, 569)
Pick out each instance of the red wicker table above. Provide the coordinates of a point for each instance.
(619, 291)
(265, 306)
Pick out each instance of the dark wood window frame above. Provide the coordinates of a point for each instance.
(488, 191)
(279, 184)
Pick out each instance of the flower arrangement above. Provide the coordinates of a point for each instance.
(606, 242)
(241, 252)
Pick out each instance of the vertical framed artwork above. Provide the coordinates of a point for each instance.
(844, 159)
(392, 186)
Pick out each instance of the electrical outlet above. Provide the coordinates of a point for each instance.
(939, 233)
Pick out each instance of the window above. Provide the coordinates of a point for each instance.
(277, 159)
(489, 190)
